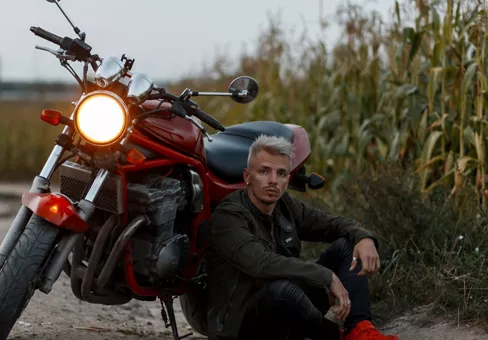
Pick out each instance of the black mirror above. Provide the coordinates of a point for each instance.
(315, 181)
(244, 89)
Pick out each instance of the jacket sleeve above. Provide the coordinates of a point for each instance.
(314, 225)
(232, 239)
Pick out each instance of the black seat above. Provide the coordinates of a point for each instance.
(227, 153)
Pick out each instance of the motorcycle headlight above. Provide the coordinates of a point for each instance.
(101, 118)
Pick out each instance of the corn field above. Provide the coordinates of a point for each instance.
(409, 90)
(25, 140)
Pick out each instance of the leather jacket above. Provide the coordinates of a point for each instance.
(247, 248)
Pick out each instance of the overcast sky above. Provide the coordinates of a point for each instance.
(168, 38)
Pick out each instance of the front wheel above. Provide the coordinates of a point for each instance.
(194, 308)
(19, 277)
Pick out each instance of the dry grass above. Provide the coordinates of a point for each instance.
(25, 140)
(433, 249)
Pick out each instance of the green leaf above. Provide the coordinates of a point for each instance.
(447, 26)
(469, 136)
(394, 147)
(397, 12)
(434, 75)
(343, 146)
(406, 90)
(436, 21)
(441, 181)
(436, 54)
(330, 121)
(416, 42)
(422, 132)
(382, 147)
(480, 147)
(427, 152)
(468, 78)
(408, 33)
(369, 121)
(364, 140)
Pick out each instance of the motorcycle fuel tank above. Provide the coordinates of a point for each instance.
(175, 131)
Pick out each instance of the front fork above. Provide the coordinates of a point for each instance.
(41, 184)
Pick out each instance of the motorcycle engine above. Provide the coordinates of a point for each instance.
(160, 250)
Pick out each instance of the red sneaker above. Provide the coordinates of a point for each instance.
(365, 330)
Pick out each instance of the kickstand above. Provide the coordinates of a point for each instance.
(167, 301)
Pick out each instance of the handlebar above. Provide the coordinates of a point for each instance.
(80, 49)
(203, 116)
(46, 35)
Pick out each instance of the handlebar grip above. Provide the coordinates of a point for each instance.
(204, 117)
(46, 35)
(208, 119)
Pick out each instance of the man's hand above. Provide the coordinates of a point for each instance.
(365, 250)
(337, 291)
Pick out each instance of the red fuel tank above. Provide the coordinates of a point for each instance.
(173, 130)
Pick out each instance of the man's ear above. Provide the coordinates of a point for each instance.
(246, 174)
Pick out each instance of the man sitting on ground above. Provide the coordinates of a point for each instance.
(258, 286)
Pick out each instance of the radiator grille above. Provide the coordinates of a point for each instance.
(74, 179)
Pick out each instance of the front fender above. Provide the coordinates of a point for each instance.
(55, 208)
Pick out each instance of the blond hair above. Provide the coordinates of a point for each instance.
(272, 144)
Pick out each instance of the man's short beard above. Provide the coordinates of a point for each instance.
(261, 200)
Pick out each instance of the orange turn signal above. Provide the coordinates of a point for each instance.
(51, 116)
(135, 157)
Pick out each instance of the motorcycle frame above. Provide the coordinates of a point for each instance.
(172, 157)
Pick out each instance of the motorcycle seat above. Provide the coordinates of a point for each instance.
(227, 153)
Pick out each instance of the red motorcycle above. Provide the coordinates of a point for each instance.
(129, 221)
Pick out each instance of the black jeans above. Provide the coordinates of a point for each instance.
(286, 310)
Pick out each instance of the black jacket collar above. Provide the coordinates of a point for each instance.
(255, 210)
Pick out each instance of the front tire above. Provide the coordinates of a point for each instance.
(194, 307)
(19, 277)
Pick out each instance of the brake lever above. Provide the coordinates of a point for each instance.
(60, 53)
(47, 49)
(200, 126)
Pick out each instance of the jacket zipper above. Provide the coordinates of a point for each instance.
(273, 236)
(226, 312)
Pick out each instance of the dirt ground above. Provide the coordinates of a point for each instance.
(60, 315)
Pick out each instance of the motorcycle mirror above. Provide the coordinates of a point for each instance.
(315, 181)
(244, 89)
(139, 88)
(111, 70)
(80, 34)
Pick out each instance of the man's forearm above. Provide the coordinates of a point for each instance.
(252, 258)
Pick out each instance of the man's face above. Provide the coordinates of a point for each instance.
(268, 176)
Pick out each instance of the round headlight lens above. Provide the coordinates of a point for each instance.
(101, 119)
